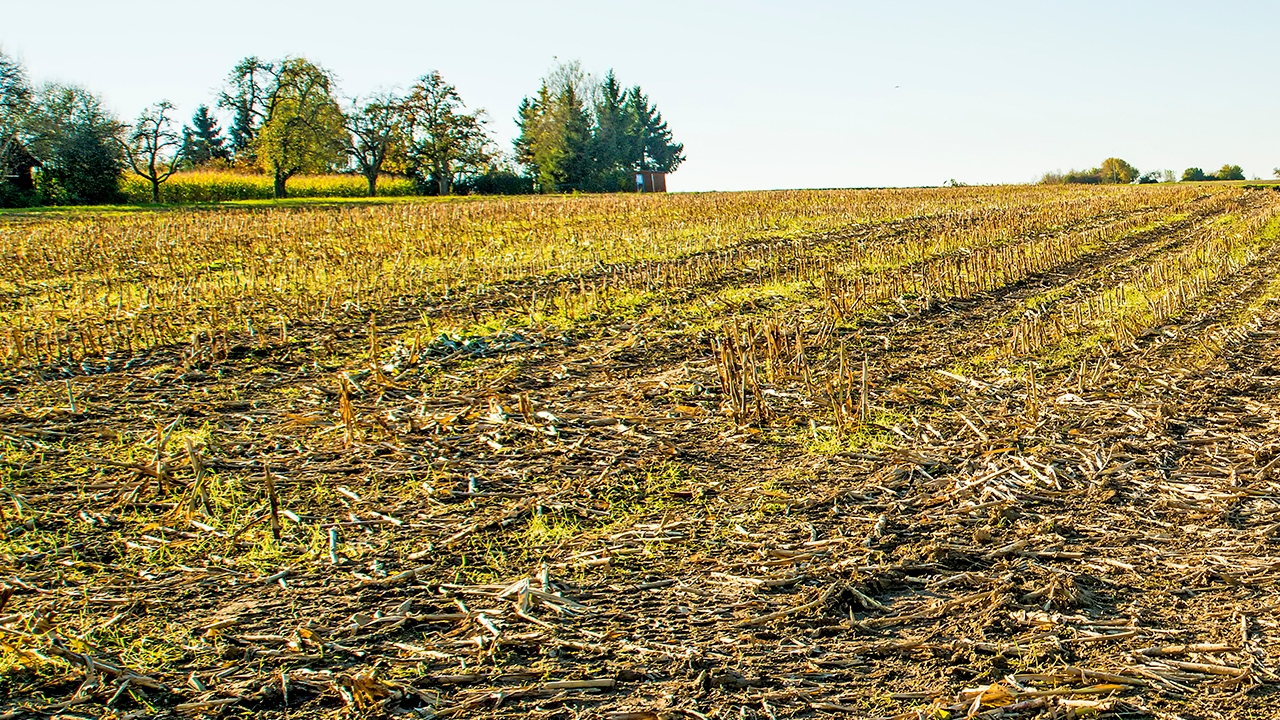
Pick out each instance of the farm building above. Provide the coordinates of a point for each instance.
(648, 181)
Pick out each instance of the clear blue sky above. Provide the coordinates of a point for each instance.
(763, 94)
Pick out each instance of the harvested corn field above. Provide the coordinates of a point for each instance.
(990, 452)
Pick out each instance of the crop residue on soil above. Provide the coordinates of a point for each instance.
(994, 452)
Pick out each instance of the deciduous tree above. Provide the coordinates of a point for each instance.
(77, 143)
(377, 128)
(1229, 172)
(444, 140)
(555, 131)
(152, 147)
(15, 102)
(15, 94)
(246, 96)
(303, 129)
(1115, 171)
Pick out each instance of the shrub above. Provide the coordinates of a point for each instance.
(1084, 177)
(12, 196)
(497, 182)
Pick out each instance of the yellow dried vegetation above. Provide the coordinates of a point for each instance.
(81, 286)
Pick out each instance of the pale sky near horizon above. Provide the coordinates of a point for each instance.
(763, 94)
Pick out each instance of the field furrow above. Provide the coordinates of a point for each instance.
(872, 454)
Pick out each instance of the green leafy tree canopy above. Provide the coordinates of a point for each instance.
(78, 145)
(286, 117)
(1230, 172)
(1227, 172)
(445, 141)
(1115, 171)
(377, 128)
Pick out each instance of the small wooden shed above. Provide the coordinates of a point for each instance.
(650, 181)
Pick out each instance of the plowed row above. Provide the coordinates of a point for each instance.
(992, 452)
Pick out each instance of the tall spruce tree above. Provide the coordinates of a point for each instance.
(571, 115)
(527, 120)
(613, 142)
(202, 141)
(656, 148)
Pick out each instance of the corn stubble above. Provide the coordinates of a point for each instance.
(979, 452)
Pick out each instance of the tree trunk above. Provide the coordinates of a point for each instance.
(373, 184)
(443, 176)
(279, 188)
(155, 191)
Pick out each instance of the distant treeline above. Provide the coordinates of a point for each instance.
(1227, 172)
(1114, 171)
(59, 145)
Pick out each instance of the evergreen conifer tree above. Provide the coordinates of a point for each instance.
(613, 142)
(202, 141)
(657, 150)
